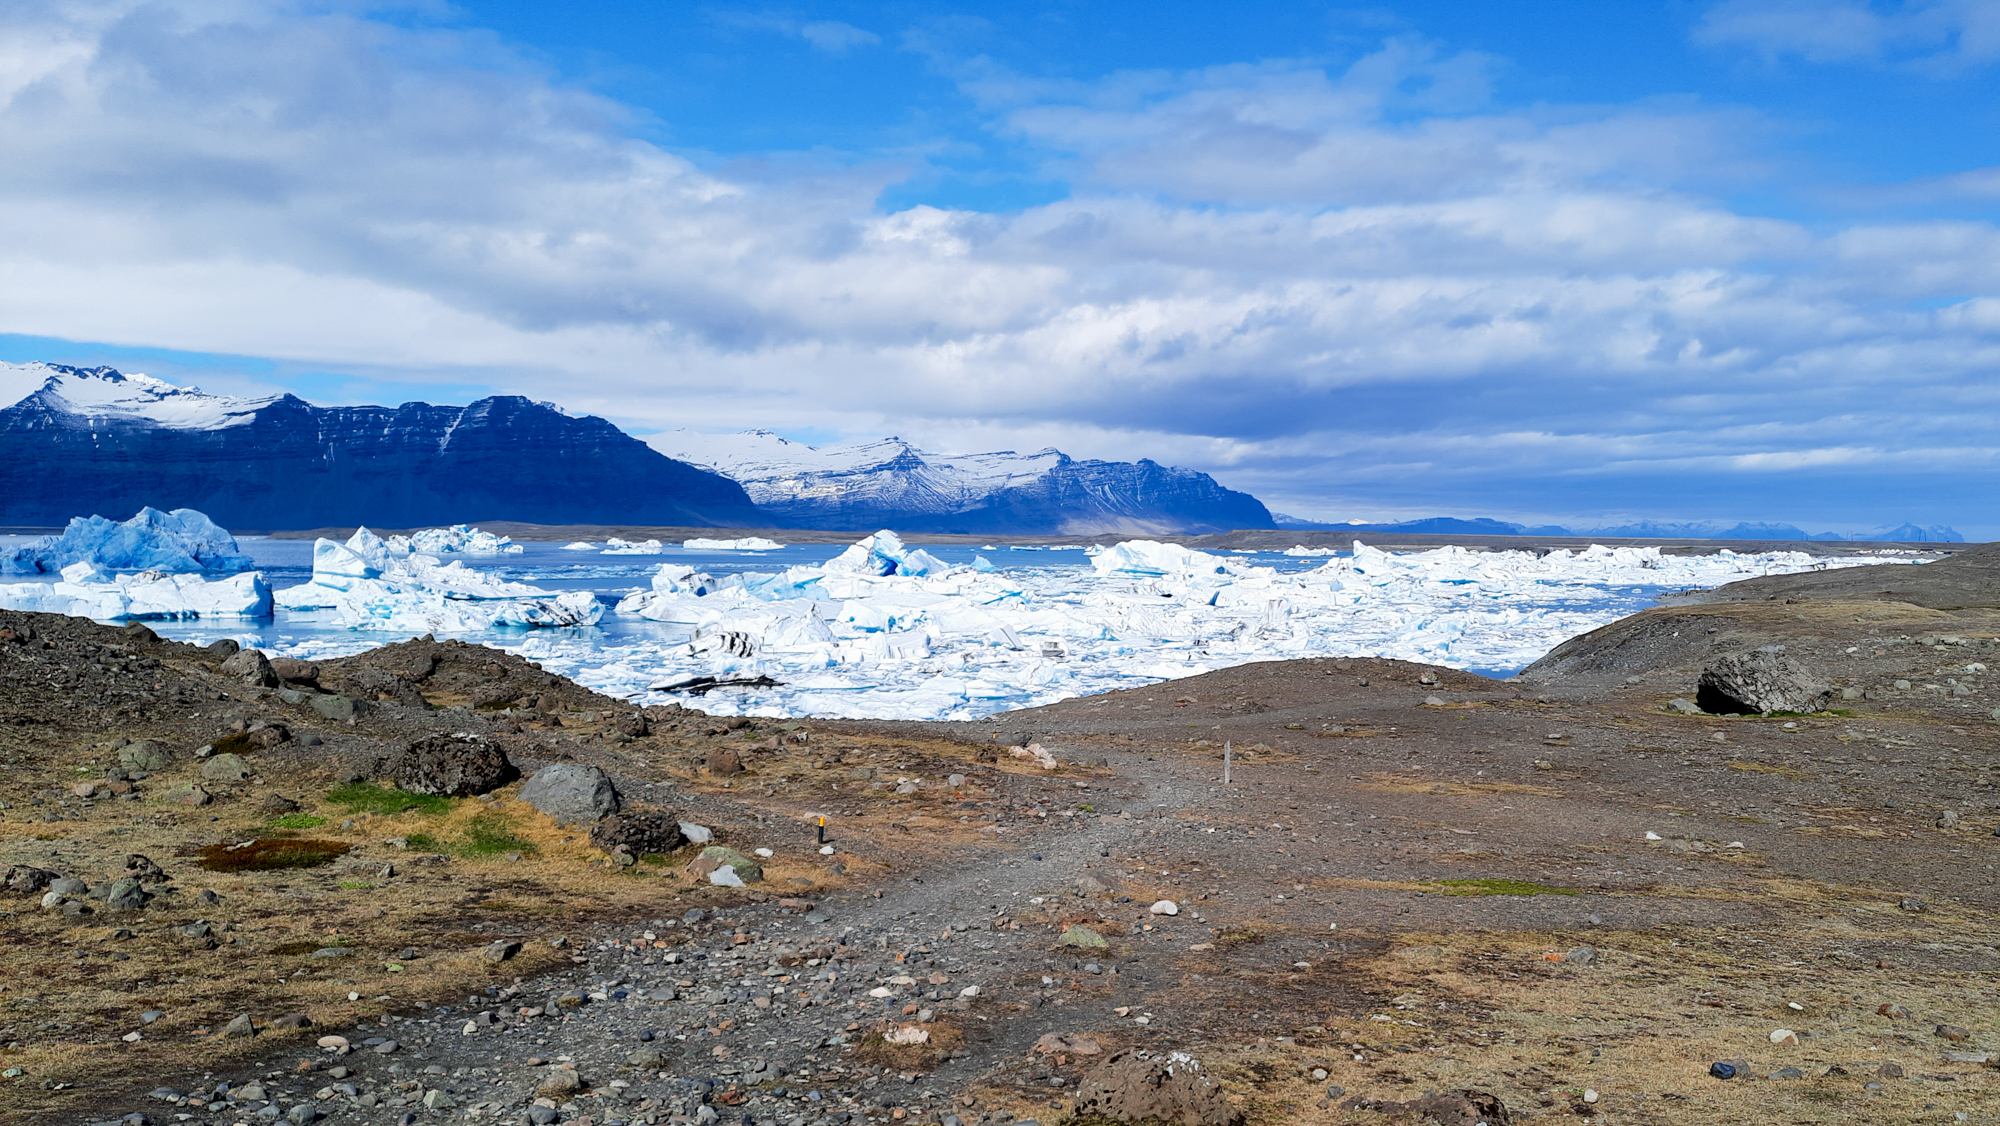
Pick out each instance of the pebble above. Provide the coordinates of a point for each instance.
(1165, 907)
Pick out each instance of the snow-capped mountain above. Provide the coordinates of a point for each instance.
(84, 441)
(890, 483)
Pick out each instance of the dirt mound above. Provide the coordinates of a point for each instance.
(1135, 1085)
(1453, 1108)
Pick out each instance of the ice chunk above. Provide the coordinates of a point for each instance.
(87, 590)
(181, 542)
(580, 545)
(752, 543)
(616, 546)
(457, 539)
(884, 554)
(1145, 557)
(365, 587)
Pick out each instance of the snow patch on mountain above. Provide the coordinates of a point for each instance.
(107, 394)
(892, 482)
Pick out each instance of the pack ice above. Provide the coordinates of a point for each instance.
(179, 542)
(363, 584)
(87, 590)
(886, 631)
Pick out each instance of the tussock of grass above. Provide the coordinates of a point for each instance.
(367, 797)
(1498, 887)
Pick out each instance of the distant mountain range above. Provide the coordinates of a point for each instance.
(892, 484)
(1650, 529)
(84, 441)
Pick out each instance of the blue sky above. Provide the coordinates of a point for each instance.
(1556, 262)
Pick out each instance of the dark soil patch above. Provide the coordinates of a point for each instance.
(268, 855)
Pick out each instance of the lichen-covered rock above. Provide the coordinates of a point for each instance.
(295, 671)
(638, 833)
(455, 766)
(1136, 1085)
(572, 793)
(226, 768)
(145, 755)
(1760, 681)
(742, 869)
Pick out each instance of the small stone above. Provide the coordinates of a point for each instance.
(1954, 1033)
(1912, 903)
(435, 1099)
(1724, 1069)
(1434, 701)
(1784, 1036)
(1948, 819)
(1893, 1012)
(1165, 907)
(387, 1048)
(1582, 955)
(501, 950)
(241, 1026)
(1787, 1073)
(1589, 1095)
(226, 768)
(1890, 1070)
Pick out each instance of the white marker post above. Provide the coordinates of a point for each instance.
(1225, 762)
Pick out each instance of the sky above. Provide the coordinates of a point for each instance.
(1561, 262)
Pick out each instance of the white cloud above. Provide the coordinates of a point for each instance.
(1364, 281)
(1942, 35)
(836, 37)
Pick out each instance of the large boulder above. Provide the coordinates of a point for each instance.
(572, 793)
(26, 879)
(1136, 1085)
(251, 667)
(1760, 681)
(454, 766)
(295, 671)
(638, 833)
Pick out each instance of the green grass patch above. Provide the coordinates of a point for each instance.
(424, 842)
(491, 835)
(356, 885)
(1498, 887)
(367, 797)
(296, 821)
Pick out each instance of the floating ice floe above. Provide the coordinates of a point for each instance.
(886, 631)
(752, 543)
(580, 545)
(616, 546)
(457, 539)
(87, 590)
(363, 585)
(180, 542)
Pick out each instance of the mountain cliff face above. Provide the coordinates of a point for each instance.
(77, 441)
(892, 484)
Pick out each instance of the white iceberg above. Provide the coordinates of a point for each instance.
(87, 590)
(580, 545)
(180, 542)
(616, 546)
(752, 543)
(458, 539)
(365, 586)
(884, 554)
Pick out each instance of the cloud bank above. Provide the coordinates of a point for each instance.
(1363, 290)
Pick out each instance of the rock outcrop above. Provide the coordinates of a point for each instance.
(1758, 682)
